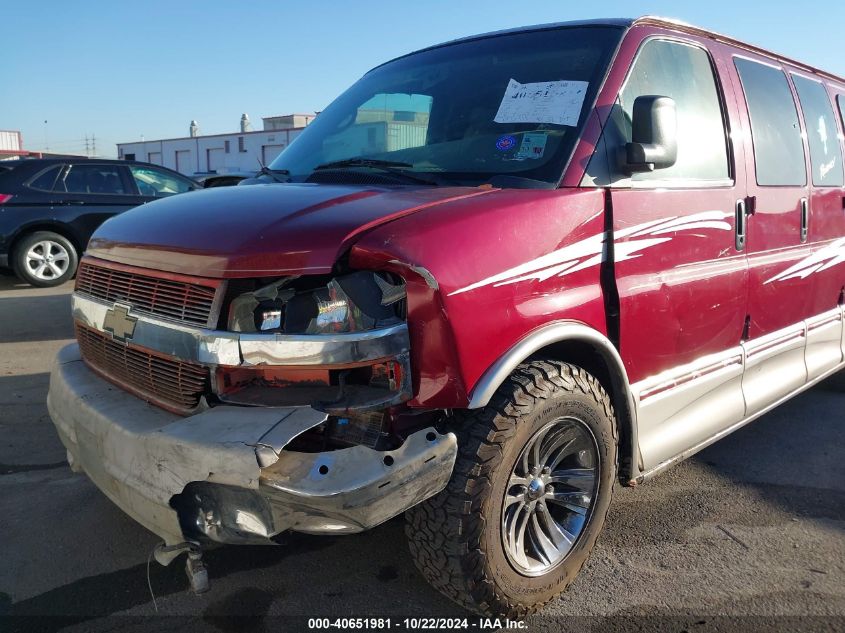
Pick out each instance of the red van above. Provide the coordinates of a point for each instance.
(494, 278)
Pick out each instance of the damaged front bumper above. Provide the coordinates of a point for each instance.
(222, 475)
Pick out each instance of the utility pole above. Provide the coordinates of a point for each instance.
(94, 144)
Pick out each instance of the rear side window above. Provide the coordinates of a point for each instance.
(46, 179)
(778, 148)
(840, 100)
(154, 182)
(820, 122)
(102, 179)
(684, 73)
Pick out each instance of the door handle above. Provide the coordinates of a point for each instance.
(805, 219)
(741, 224)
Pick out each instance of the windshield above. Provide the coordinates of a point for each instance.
(504, 105)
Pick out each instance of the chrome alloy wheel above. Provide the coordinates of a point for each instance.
(47, 260)
(549, 496)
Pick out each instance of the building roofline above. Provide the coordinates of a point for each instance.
(60, 158)
(279, 116)
(188, 138)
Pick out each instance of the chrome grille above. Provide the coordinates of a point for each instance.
(182, 301)
(174, 384)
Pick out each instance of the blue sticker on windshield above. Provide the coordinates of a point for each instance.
(505, 143)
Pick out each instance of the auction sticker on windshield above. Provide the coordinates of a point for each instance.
(556, 102)
(533, 145)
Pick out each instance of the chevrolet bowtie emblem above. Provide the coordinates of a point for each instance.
(119, 323)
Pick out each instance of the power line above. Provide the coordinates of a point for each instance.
(87, 146)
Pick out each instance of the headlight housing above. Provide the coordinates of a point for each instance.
(369, 304)
(350, 303)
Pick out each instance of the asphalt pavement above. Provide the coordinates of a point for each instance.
(747, 535)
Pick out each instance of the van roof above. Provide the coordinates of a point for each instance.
(678, 25)
(647, 20)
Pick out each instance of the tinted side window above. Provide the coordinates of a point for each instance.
(102, 179)
(154, 182)
(684, 73)
(820, 122)
(778, 148)
(46, 179)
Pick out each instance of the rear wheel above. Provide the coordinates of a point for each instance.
(45, 259)
(530, 491)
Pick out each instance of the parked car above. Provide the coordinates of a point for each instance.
(482, 294)
(230, 179)
(50, 207)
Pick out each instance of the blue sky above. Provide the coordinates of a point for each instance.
(120, 70)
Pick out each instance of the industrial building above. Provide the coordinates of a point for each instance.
(11, 146)
(220, 153)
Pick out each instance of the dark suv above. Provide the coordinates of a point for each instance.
(49, 207)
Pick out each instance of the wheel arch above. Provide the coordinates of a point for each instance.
(581, 345)
(53, 227)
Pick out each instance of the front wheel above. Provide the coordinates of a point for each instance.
(45, 259)
(528, 497)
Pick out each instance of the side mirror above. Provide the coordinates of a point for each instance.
(654, 141)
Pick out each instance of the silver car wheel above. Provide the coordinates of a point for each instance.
(549, 496)
(47, 260)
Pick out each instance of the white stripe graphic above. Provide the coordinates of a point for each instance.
(825, 258)
(590, 251)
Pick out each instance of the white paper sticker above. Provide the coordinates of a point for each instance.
(533, 145)
(557, 102)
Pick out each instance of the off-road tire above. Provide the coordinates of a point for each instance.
(455, 537)
(22, 270)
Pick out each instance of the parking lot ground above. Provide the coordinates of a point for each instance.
(747, 535)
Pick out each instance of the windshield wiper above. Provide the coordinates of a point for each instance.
(392, 167)
(274, 173)
(362, 162)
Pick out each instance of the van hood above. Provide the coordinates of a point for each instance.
(258, 230)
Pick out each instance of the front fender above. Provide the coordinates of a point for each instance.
(483, 273)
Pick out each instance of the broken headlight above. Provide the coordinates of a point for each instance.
(349, 303)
